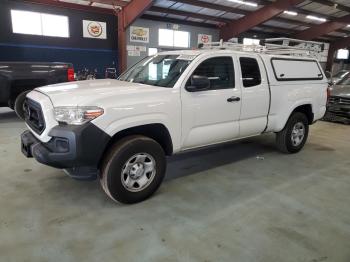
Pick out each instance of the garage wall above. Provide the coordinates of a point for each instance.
(154, 26)
(82, 52)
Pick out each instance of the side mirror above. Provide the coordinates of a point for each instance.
(198, 83)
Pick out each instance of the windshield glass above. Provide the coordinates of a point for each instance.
(345, 81)
(158, 70)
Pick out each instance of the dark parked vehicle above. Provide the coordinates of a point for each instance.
(339, 101)
(19, 78)
(342, 74)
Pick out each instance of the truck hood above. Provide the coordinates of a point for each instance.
(89, 92)
(341, 91)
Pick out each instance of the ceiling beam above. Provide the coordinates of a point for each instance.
(233, 10)
(214, 6)
(188, 14)
(66, 5)
(177, 21)
(339, 7)
(275, 29)
(301, 11)
(111, 2)
(256, 18)
(324, 28)
(213, 18)
(261, 2)
(134, 10)
(261, 28)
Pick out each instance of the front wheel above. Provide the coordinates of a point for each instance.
(294, 135)
(133, 169)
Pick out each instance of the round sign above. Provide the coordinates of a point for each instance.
(94, 29)
(205, 39)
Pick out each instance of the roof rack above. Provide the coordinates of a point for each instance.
(273, 46)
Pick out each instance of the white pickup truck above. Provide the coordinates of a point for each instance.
(122, 130)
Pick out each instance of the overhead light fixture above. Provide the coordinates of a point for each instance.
(316, 18)
(244, 3)
(290, 13)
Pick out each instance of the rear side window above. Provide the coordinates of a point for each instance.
(220, 72)
(250, 71)
(296, 69)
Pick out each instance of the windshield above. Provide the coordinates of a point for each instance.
(345, 81)
(158, 70)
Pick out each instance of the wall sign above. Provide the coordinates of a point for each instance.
(134, 53)
(94, 29)
(139, 34)
(136, 48)
(204, 39)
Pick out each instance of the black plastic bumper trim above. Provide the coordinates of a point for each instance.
(85, 146)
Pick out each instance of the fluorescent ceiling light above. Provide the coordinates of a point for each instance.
(311, 17)
(290, 13)
(244, 3)
(76, 2)
(102, 5)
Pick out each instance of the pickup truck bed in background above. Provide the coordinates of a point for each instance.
(17, 78)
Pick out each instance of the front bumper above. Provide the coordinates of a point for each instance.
(77, 149)
(339, 110)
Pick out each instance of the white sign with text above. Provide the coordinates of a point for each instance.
(139, 34)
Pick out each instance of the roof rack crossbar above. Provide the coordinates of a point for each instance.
(277, 46)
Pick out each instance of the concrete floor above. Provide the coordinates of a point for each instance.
(239, 202)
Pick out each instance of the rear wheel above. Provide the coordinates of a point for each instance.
(294, 135)
(133, 169)
(19, 104)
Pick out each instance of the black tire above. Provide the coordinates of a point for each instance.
(115, 161)
(284, 137)
(19, 102)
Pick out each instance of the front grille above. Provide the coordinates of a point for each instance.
(339, 100)
(34, 115)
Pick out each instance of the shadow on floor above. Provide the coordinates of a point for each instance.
(192, 162)
(8, 116)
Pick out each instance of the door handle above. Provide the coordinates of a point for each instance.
(233, 99)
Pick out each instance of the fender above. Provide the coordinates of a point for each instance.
(140, 120)
(278, 122)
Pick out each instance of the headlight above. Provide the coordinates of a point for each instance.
(77, 115)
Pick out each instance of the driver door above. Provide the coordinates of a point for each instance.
(211, 116)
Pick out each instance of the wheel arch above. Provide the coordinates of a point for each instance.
(156, 131)
(305, 108)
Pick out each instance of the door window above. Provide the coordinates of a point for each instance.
(250, 71)
(219, 71)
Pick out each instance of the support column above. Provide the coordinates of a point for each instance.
(125, 18)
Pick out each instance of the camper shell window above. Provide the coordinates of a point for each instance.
(296, 69)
